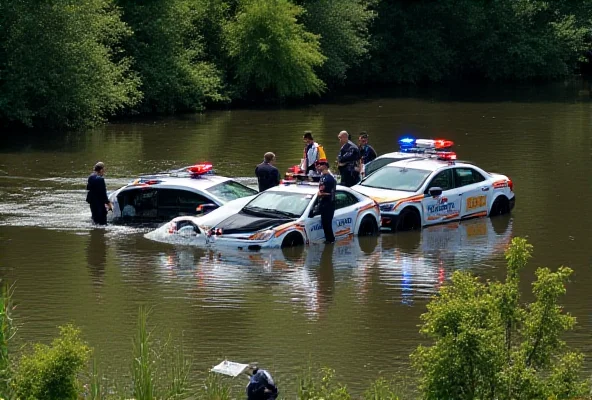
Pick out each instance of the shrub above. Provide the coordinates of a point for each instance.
(321, 386)
(487, 345)
(50, 372)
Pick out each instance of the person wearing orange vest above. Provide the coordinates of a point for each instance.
(312, 153)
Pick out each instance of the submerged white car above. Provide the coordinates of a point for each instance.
(188, 191)
(282, 216)
(419, 192)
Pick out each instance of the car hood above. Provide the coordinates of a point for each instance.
(245, 223)
(382, 195)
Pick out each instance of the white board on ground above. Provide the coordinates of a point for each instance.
(230, 368)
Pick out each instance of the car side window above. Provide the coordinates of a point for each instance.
(344, 199)
(442, 180)
(174, 202)
(466, 176)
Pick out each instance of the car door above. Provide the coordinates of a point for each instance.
(313, 226)
(345, 213)
(445, 207)
(475, 191)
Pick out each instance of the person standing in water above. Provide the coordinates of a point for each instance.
(97, 195)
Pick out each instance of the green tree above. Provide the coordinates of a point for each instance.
(168, 52)
(487, 345)
(50, 372)
(343, 29)
(60, 65)
(271, 51)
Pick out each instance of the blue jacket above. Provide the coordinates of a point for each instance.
(97, 190)
(268, 176)
(258, 382)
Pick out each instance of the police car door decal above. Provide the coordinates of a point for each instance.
(343, 220)
(441, 208)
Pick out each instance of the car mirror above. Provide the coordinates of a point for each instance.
(435, 191)
(205, 208)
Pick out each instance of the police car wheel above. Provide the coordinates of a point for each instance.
(368, 227)
(500, 206)
(292, 240)
(409, 220)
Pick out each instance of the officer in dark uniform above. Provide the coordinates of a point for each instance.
(348, 159)
(367, 152)
(326, 195)
(268, 176)
(261, 385)
(97, 195)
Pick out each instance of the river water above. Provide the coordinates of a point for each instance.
(354, 307)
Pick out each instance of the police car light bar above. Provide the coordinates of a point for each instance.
(429, 148)
(200, 169)
(411, 142)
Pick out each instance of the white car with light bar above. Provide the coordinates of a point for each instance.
(422, 191)
(283, 216)
(187, 191)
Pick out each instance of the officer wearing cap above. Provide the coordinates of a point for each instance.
(326, 195)
(97, 195)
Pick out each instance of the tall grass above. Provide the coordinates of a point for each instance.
(381, 389)
(7, 331)
(215, 388)
(143, 369)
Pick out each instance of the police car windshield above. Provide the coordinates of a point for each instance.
(397, 178)
(377, 164)
(231, 190)
(280, 203)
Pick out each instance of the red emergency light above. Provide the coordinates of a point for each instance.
(200, 169)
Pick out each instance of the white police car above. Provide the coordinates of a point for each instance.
(186, 191)
(422, 191)
(282, 216)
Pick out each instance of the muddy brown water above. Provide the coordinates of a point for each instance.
(354, 307)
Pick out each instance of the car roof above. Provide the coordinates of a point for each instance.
(203, 182)
(304, 188)
(396, 154)
(427, 164)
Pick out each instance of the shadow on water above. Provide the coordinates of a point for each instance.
(96, 256)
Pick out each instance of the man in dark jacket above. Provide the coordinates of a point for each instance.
(97, 195)
(261, 386)
(367, 152)
(348, 158)
(268, 176)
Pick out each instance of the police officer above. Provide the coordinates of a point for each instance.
(268, 176)
(367, 152)
(326, 194)
(97, 195)
(348, 159)
(261, 385)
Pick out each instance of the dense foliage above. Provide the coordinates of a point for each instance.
(51, 372)
(61, 65)
(488, 345)
(70, 64)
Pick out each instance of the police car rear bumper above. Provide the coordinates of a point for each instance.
(512, 203)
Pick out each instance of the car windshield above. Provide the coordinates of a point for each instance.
(231, 190)
(377, 164)
(397, 178)
(283, 204)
